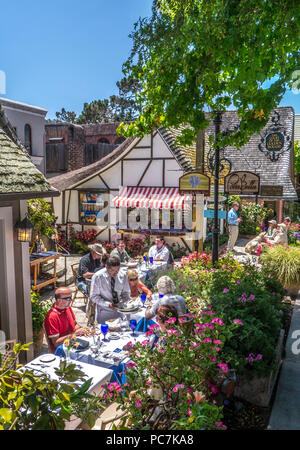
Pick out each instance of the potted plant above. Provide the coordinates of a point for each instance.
(39, 310)
(284, 262)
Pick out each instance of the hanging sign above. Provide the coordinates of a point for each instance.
(274, 142)
(271, 191)
(246, 183)
(210, 214)
(194, 182)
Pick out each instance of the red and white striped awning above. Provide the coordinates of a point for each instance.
(152, 197)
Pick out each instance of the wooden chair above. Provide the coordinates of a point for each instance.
(77, 290)
(8, 353)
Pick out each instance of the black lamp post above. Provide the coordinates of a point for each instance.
(24, 230)
(215, 231)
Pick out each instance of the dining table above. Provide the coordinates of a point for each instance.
(46, 364)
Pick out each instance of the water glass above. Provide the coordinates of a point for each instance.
(151, 259)
(161, 295)
(133, 325)
(104, 329)
(143, 298)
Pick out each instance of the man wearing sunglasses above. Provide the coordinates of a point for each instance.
(109, 286)
(60, 322)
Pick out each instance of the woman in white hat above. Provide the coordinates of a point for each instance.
(271, 230)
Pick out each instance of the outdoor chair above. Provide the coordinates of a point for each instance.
(77, 290)
(47, 339)
(8, 352)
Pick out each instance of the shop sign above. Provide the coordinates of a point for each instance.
(274, 142)
(245, 183)
(194, 182)
(271, 191)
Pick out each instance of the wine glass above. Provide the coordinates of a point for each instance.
(132, 324)
(104, 329)
(143, 299)
(161, 295)
(151, 259)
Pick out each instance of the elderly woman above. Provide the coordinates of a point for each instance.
(280, 237)
(165, 296)
(136, 286)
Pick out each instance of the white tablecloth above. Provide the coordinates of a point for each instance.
(99, 375)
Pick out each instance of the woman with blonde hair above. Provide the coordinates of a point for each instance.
(136, 286)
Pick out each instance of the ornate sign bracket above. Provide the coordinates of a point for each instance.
(274, 140)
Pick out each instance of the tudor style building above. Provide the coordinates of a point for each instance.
(144, 174)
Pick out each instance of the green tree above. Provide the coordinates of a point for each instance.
(195, 55)
(65, 116)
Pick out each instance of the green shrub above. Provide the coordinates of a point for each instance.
(284, 262)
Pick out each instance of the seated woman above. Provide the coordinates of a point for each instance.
(280, 237)
(163, 313)
(136, 286)
(165, 296)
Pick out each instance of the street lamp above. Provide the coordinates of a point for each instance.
(215, 231)
(24, 230)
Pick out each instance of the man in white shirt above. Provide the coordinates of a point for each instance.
(159, 251)
(109, 286)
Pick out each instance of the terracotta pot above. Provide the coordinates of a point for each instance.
(38, 337)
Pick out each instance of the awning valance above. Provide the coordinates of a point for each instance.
(152, 197)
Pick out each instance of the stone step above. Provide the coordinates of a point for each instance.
(59, 271)
(61, 280)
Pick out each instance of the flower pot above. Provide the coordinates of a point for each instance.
(38, 337)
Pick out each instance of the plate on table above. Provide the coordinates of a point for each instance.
(133, 308)
(47, 358)
(83, 344)
(132, 264)
(113, 335)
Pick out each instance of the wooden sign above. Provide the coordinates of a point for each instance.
(194, 182)
(246, 183)
(274, 142)
(271, 191)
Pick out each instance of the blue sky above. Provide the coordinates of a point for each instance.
(63, 53)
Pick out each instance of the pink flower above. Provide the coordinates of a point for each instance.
(213, 388)
(130, 365)
(170, 331)
(138, 404)
(225, 290)
(207, 340)
(223, 366)
(178, 386)
(220, 425)
(217, 341)
(189, 412)
(182, 288)
(238, 281)
(218, 321)
(145, 342)
(212, 358)
(182, 320)
(238, 321)
(171, 320)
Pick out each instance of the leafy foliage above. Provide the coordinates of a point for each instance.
(41, 215)
(297, 157)
(31, 402)
(194, 56)
(163, 391)
(39, 310)
(241, 292)
(284, 262)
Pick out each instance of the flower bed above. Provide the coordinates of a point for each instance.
(164, 391)
(237, 292)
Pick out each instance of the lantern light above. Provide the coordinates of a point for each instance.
(24, 230)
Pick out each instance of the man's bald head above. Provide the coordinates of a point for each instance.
(63, 291)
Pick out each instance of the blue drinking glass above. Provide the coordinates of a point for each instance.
(104, 329)
(143, 298)
(161, 295)
(145, 259)
(151, 259)
(132, 324)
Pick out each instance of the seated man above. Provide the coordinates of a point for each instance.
(159, 251)
(120, 251)
(60, 322)
(271, 230)
(88, 265)
(280, 237)
(165, 287)
(109, 286)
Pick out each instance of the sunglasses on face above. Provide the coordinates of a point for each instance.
(133, 279)
(67, 299)
(114, 264)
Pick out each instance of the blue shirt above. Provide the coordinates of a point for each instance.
(232, 217)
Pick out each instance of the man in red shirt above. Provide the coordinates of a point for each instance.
(60, 322)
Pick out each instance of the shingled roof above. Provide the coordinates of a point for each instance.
(248, 157)
(18, 174)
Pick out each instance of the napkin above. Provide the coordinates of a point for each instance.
(113, 324)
